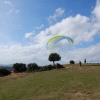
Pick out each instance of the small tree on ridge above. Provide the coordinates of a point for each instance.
(54, 57)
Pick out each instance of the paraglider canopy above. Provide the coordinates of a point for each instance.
(53, 40)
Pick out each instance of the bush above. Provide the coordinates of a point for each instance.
(32, 67)
(4, 71)
(19, 67)
(71, 62)
(45, 68)
(58, 66)
(50, 67)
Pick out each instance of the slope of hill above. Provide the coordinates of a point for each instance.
(70, 83)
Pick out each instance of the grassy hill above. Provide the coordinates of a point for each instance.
(70, 83)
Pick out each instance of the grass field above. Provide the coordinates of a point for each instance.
(70, 83)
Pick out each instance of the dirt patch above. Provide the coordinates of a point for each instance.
(14, 75)
(67, 67)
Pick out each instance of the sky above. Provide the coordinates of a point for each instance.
(27, 25)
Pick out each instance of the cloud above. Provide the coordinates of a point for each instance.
(58, 12)
(78, 27)
(10, 11)
(40, 27)
(90, 53)
(24, 54)
(13, 11)
(39, 55)
(12, 8)
(17, 11)
(29, 35)
(81, 29)
(8, 3)
(96, 10)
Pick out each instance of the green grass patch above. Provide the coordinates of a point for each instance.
(70, 83)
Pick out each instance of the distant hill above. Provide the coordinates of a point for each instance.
(8, 67)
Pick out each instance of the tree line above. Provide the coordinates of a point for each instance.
(21, 67)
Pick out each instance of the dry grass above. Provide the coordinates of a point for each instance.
(14, 75)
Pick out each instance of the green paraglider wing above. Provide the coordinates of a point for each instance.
(52, 41)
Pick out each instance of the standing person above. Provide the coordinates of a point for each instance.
(80, 63)
(85, 61)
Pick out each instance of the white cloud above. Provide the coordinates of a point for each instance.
(19, 53)
(90, 53)
(8, 3)
(29, 35)
(96, 10)
(40, 26)
(10, 11)
(80, 28)
(13, 11)
(58, 12)
(12, 8)
(39, 55)
(17, 11)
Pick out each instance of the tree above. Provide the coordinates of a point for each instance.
(19, 67)
(4, 71)
(32, 67)
(54, 57)
(71, 62)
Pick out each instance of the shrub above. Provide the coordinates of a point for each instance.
(50, 67)
(32, 67)
(71, 62)
(45, 68)
(19, 67)
(59, 66)
(4, 71)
